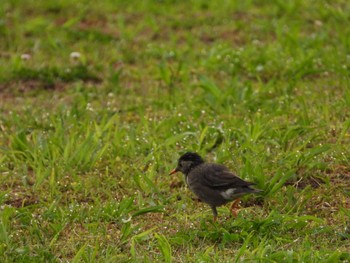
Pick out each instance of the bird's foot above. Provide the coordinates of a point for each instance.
(235, 207)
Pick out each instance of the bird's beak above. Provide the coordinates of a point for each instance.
(173, 171)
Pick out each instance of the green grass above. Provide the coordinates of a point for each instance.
(86, 144)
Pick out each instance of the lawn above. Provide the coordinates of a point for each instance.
(98, 99)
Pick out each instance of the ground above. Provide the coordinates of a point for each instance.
(99, 99)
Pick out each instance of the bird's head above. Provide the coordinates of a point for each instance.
(186, 162)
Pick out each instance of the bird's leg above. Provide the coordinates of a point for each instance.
(235, 207)
(215, 213)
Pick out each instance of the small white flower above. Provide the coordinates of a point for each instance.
(126, 220)
(75, 55)
(259, 68)
(26, 56)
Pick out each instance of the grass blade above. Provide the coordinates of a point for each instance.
(164, 247)
(78, 256)
(152, 209)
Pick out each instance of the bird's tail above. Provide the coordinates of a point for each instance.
(254, 190)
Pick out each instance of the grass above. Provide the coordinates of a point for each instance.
(87, 141)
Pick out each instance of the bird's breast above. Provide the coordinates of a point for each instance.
(192, 182)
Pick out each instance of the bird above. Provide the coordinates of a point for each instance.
(213, 183)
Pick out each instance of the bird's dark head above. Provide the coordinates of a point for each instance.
(187, 162)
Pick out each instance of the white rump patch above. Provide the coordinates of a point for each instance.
(228, 194)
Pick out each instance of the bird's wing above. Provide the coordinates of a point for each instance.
(218, 176)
